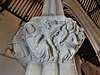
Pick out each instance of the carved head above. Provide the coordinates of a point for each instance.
(70, 25)
(30, 28)
(54, 22)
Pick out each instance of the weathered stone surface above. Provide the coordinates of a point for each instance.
(47, 39)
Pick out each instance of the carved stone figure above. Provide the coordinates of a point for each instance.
(37, 44)
(49, 44)
(21, 50)
(72, 42)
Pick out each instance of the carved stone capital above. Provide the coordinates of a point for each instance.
(45, 39)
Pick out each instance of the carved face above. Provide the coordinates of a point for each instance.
(30, 28)
(70, 26)
(54, 22)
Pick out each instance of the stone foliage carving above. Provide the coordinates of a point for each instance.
(45, 39)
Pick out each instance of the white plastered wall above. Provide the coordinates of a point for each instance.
(8, 27)
(10, 66)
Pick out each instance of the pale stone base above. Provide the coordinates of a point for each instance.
(34, 69)
(50, 68)
(67, 69)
